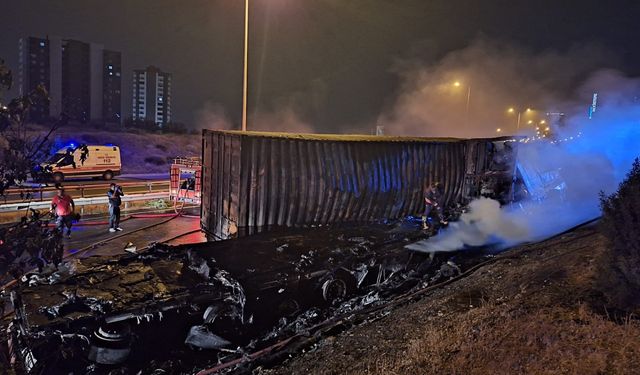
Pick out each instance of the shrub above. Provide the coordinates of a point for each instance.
(621, 224)
(161, 147)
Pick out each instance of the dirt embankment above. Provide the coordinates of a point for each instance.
(539, 309)
(141, 152)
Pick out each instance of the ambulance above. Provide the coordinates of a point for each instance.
(101, 162)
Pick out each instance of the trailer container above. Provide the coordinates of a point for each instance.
(253, 181)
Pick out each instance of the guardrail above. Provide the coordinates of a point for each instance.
(42, 193)
(40, 205)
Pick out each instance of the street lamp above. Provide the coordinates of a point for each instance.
(246, 58)
(513, 110)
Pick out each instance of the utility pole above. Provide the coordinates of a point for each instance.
(246, 58)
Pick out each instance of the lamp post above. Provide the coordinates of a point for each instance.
(466, 118)
(513, 110)
(246, 58)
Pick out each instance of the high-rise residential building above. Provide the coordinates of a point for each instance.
(152, 96)
(34, 70)
(112, 83)
(83, 79)
(76, 81)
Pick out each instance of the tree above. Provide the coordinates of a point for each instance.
(620, 223)
(29, 243)
(20, 152)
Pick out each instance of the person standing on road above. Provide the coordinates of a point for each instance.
(63, 207)
(114, 194)
(432, 199)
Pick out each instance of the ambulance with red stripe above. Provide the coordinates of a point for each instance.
(99, 162)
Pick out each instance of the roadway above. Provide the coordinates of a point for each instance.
(92, 239)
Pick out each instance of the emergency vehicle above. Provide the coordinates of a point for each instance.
(101, 161)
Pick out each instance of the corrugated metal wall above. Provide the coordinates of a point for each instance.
(253, 181)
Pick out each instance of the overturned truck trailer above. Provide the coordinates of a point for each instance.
(253, 181)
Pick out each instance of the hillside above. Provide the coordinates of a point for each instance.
(538, 309)
(141, 152)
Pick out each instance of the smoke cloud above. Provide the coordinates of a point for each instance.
(467, 93)
(584, 157)
(213, 116)
(484, 223)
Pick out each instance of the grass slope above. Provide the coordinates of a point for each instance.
(539, 310)
(141, 152)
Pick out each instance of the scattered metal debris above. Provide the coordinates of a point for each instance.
(137, 311)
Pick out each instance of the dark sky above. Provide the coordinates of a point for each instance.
(329, 60)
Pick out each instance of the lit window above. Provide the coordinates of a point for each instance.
(41, 44)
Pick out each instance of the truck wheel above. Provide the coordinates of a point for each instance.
(334, 290)
(107, 175)
(58, 177)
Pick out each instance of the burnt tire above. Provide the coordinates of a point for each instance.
(57, 177)
(334, 290)
(108, 175)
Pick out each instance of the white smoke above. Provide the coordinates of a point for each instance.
(213, 116)
(583, 157)
(467, 93)
(484, 223)
(586, 157)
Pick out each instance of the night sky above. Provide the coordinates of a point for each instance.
(330, 61)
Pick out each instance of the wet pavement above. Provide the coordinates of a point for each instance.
(91, 240)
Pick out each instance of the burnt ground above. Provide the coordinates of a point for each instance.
(537, 309)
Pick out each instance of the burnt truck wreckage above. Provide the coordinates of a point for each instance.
(183, 308)
(254, 181)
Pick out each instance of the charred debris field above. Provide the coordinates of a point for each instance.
(543, 308)
(230, 305)
(326, 300)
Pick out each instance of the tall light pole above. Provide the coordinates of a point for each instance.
(246, 59)
(512, 110)
(466, 118)
(458, 84)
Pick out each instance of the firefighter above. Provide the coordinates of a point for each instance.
(115, 193)
(432, 199)
(63, 207)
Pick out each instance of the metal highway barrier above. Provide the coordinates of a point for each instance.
(79, 202)
(83, 190)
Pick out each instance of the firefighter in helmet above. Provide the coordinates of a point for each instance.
(432, 201)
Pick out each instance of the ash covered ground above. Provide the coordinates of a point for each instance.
(543, 308)
(182, 309)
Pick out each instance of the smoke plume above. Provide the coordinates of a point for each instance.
(468, 92)
(284, 120)
(586, 156)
